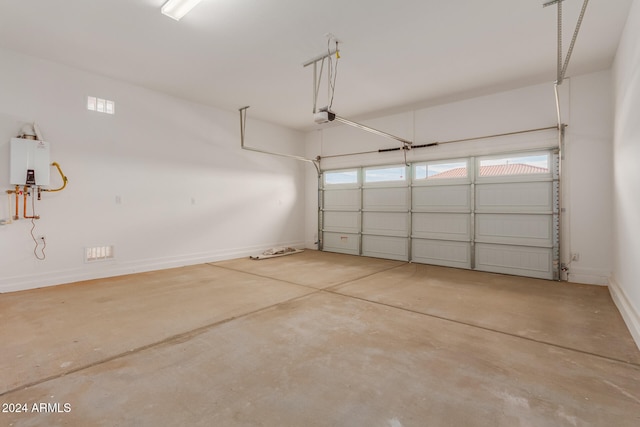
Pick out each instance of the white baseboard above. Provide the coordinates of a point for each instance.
(629, 313)
(589, 276)
(112, 268)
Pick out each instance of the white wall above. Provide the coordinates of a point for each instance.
(588, 178)
(625, 281)
(586, 108)
(188, 193)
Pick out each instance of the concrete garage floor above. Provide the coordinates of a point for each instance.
(317, 339)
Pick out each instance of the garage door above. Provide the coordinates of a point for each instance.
(341, 212)
(442, 213)
(493, 213)
(386, 196)
(516, 215)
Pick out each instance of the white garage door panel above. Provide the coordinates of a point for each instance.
(386, 247)
(342, 243)
(438, 252)
(518, 260)
(386, 223)
(346, 200)
(515, 197)
(527, 230)
(442, 226)
(491, 213)
(386, 199)
(342, 222)
(447, 198)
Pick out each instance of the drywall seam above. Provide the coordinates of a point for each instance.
(629, 313)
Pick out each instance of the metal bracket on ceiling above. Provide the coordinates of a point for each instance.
(243, 124)
(326, 114)
(551, 3)
(317, 77)
(562, 65)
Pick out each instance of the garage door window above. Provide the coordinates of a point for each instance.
(385, 174)
(534, 164)
(341, 177)
(441, 170)
(497, 213)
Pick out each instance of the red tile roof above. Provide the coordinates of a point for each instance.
(493, 170)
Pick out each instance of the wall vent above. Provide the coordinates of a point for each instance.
(98, 253)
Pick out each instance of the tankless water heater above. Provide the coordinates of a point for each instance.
(30, 162)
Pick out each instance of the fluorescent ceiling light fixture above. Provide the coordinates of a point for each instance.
(176, 9)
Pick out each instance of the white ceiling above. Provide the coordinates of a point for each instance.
(394, 54)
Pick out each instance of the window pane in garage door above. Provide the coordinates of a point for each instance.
(385, 174)
(441, 170)
(514, 165)
(341, 177)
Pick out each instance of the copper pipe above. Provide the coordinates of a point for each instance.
(17, 216)
(17, 193)
(24, 213)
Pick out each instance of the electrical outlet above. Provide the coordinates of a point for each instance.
(575, 256)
